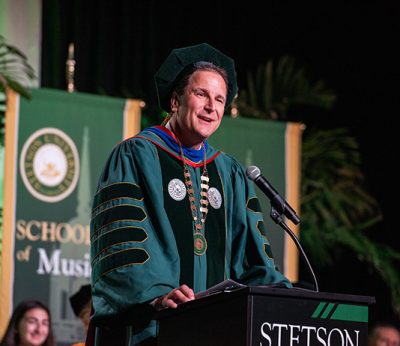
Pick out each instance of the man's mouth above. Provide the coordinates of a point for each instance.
(209, 120)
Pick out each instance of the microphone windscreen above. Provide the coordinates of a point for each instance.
(253, 172)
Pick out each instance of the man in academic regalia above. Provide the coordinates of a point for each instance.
(172, 215)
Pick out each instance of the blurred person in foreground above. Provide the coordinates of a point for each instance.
(81, 303)
(172, 215)
(29, 325)
(384, 334)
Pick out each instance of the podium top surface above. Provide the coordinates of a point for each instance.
(269, 292)
(309, 294)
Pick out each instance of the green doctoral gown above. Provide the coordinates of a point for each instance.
(142, 231)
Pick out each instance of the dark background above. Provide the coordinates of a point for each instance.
(351, 47)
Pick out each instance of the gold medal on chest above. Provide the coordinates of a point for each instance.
(200, 244)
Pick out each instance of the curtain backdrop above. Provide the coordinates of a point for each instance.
(119, 45)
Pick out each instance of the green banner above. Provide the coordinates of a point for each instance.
(274, 147)
(62, 142)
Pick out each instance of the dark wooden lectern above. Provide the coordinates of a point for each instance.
(267, 316)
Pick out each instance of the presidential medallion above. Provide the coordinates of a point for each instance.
(214, 197)
(200, 244)
(177, 189)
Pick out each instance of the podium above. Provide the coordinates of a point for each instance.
(267, 316)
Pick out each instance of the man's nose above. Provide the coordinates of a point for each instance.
(210, 105)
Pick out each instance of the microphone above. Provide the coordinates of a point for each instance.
(277, 202)
(278, 207)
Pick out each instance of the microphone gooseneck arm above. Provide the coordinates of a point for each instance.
(279, 220)
(280, 208)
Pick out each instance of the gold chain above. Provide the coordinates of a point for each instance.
(200, 243)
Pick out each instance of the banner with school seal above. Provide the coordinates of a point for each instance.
(55, 148)
(275, 148)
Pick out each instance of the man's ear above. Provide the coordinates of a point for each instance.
(174, 102)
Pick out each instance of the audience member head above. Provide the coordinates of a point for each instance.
(81, 303)
(29, 325)
(384, 334)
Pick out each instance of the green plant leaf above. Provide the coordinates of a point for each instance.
(336, 206)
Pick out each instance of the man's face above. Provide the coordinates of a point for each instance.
(201, 107)
(386, 337)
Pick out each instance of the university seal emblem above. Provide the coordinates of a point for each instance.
(177, 189)
(49, 165)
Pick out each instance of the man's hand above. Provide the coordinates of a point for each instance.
(177, 296)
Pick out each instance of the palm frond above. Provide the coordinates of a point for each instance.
(15, 70)
(272, 91)
(336, 207)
